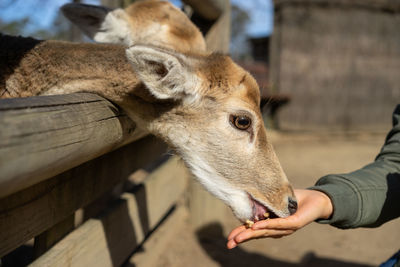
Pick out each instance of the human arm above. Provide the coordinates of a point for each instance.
(369, 196)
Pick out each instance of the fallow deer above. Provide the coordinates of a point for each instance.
(151, 21)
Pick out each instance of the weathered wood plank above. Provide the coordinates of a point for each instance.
(47, 239)
(156, 245)
(112, 237)
(45, 135)
(30, 212)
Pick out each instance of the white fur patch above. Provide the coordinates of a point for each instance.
(115, 29)
(235, 198)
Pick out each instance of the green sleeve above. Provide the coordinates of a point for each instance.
(369, 196)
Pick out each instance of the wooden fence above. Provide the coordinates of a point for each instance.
(82, 185)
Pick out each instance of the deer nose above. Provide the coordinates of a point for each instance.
(292, 206)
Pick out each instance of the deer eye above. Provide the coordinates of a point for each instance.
(240, 122)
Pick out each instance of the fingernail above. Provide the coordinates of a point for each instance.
(231, 247)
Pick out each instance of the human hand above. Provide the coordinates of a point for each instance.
(312, 205)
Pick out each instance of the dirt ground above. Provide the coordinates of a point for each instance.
(305, 157)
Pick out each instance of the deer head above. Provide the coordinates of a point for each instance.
(207, 108)
(203, 105)
(153, 22)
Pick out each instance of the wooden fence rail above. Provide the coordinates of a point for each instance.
(30, 212)
(45, 135)
(109, 239)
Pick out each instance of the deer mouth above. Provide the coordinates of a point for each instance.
(260, 211)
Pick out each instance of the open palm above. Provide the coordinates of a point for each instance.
(312, 205)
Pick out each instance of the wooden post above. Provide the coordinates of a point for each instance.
(75, 34)
(219, 35)
(219, 13)
(205, 208)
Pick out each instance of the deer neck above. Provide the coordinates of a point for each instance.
(31, 67)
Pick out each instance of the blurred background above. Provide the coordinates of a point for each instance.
(328, 72)
(336, 62)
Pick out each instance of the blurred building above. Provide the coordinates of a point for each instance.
(260, 48)
(339, 60)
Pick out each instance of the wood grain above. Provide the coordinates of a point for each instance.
(47, 239)
(157, 244)
(109, 239)
(30, 212)
(45, 135)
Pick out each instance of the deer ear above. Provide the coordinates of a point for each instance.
(167, 74)
(100, 23)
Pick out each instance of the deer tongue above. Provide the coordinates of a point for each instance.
(258, 210)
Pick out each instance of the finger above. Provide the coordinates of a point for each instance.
(236, 231)
(244, 235)
(276, 234)
(289, 223)
(256, 234)
(231, 244)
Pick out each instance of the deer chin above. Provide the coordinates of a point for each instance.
(243, 204)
